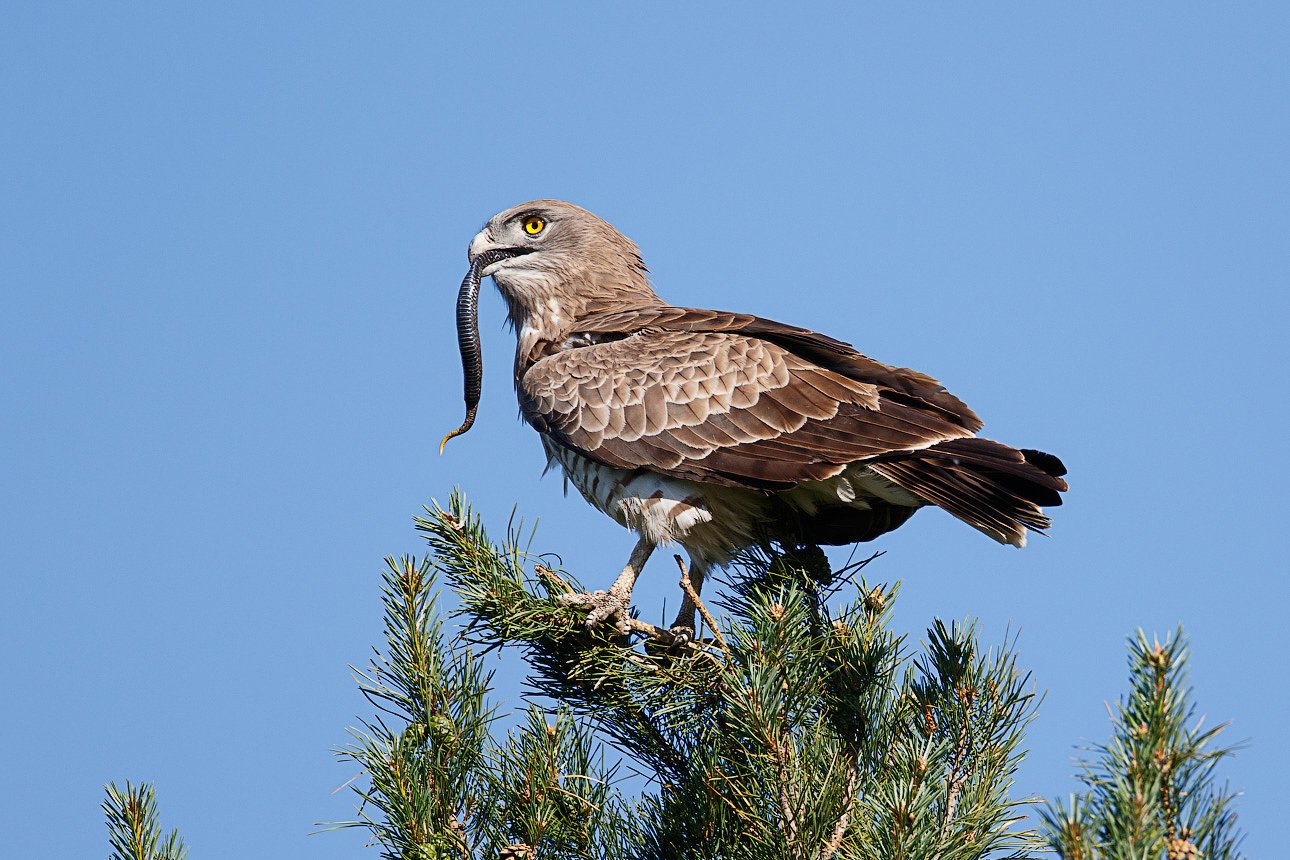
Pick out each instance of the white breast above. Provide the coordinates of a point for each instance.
(708, 520)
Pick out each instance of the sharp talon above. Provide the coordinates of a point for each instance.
(601, 606)
(682, 636)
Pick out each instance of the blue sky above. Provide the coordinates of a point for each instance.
(230, 239)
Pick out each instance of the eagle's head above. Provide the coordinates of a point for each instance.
(554, 261)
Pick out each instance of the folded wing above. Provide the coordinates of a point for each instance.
(732, 399)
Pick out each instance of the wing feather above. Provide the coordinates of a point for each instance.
(726, 407)
(821, 350)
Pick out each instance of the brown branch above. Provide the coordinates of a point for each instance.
(848, 806)
(550, 576)
(688, 587)
(454, 824)
(958, 773)
(785, 804)
(779, 741)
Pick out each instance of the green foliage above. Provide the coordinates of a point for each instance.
(134, 827)
(424, 752)
(802, 728)
(435, 781)
(549, 791)
(436, 784)
(806, 729)
(1151, 788)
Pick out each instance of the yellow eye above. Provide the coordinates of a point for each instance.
(534, 225)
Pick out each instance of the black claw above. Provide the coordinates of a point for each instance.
(681, 636)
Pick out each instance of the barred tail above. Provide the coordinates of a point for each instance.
(992, 487)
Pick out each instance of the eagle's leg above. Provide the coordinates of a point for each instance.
(683, 628)
(615, 604)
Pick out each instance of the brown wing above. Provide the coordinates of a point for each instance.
(726, 407)
(822, 350)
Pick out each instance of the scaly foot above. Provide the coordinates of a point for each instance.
(601, 606)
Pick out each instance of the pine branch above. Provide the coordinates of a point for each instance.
(423, 774)
(690, 592)
(806, 729)
(551, 792)
(1151, 788)
(794, 741)
(591, 671)
(848, 807)
(134, 828)
(435, 782)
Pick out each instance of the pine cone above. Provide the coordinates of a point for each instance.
(1182, 849)
(875, 601)
(519, 851)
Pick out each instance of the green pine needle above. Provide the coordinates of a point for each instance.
(809, 730)
(1151, 787)
(134, 828)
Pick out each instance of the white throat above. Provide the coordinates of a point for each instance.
(535, 311)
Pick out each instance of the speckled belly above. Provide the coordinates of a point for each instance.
(709, 521)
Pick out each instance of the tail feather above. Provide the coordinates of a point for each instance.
(992, 487)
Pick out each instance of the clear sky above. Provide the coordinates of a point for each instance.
(230, 241)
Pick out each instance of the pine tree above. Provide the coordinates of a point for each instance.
(1151, 789)
(798, 725)
(802, 728)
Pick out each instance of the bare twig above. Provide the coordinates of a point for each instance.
(669, 639)
(688, 587)
(454, 824)
(642, 663)
(785, 802)
(848, 806)
(550, 577)
(958, 773)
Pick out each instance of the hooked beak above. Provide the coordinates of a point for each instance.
(483, 244)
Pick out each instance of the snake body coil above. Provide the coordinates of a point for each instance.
(472, 356)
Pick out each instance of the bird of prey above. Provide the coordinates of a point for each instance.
(721, 430)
